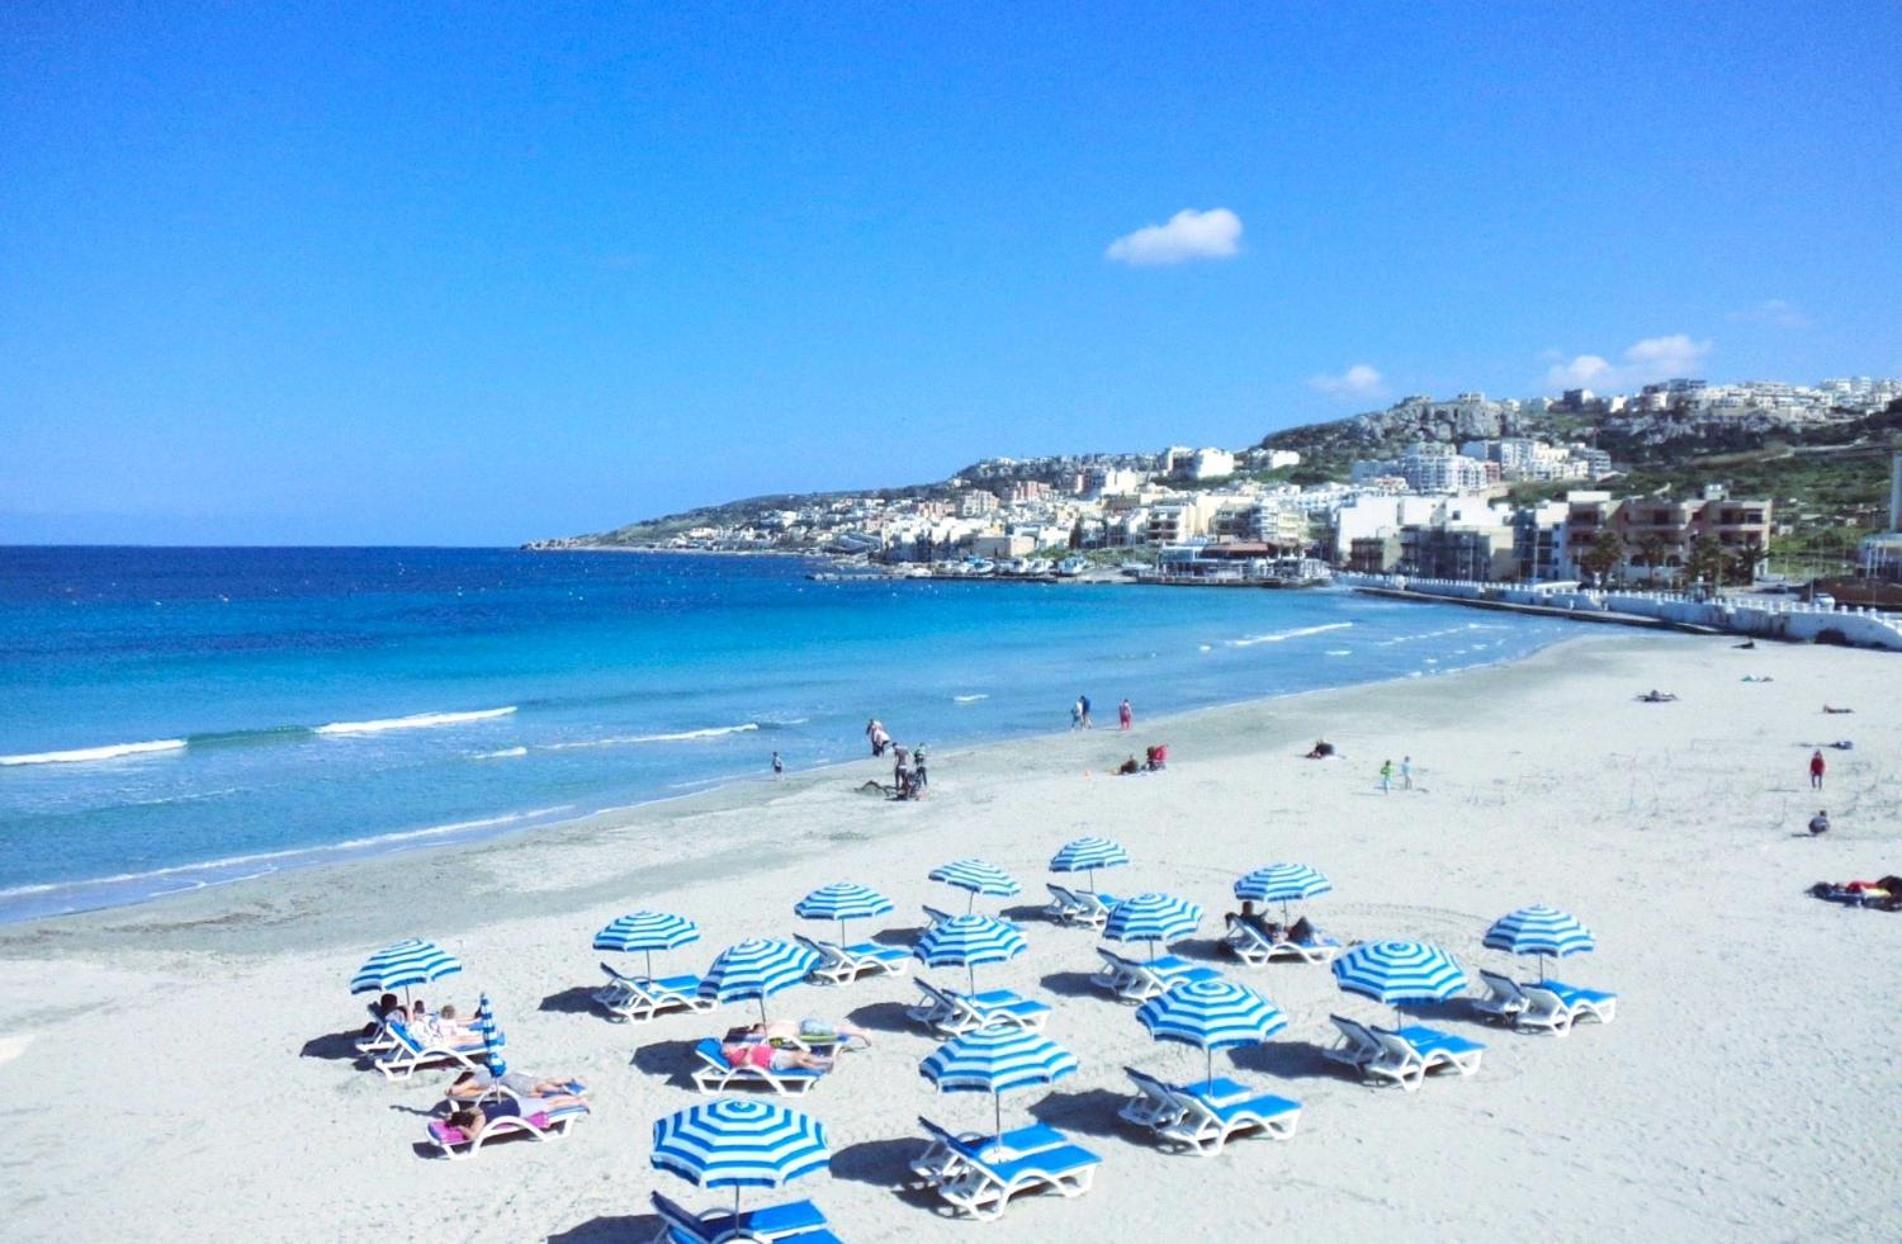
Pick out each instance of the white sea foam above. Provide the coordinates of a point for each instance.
(968, 699)
(678, 736)
(416, 721)
(1340, 652)
(503, 754)
(272, 858)
(80, 755)
(1276, 637)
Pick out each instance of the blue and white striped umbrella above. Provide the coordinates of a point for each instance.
(1216, 1015)
(647, 931)
(493, 1039)
(1541, 931)
(414, 961)
(757, 968)
(1396, 972)
(965, 941)
(996, 1061)
(842, 901)
(1086, 855)
(1152, 918)
(977, 877)
(1282, 883)
(736, 1143)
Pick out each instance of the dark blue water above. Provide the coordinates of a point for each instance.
(294, 706)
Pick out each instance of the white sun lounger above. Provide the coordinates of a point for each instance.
(1357, 1046)
(950, 1013)
(1535, 1010)
(943, 1158)
(986, 1179)
(1255, 948)
(1079, 908)
(842, 965)
(717, 1075)
(1204, 1117)
(796, 1222)
(1595, 1004)
(453, 1143)
(412, 1053)
(1409, 1054)
(641, 998)
(1138, 980)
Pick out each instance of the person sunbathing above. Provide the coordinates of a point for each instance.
(1829, 709)
(445, 1026)
(769, 1057)
(473, 1122)
(806, 1034)
(471, 1085)
(1321, 750)
(1301, 932)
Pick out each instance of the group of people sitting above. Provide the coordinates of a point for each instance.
(1300, 931)
(443, 1027)
(789, 1045)
(1155, 757)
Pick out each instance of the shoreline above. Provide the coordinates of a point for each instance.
(507, 825)
(724, 797)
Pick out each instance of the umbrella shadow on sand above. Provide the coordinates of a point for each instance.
(1207, 949)
(1025, 911)
(1290, 1060)
(1072, 985)
(335, 1046)
(610, 1229)
(1091, 1112)
(899, 936)
(884, 1164)
(575, 1000)
(883, 1017)
(672, 1059)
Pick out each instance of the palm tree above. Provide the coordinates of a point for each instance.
(1706, 562)
(1652, 552)
(1602, 556)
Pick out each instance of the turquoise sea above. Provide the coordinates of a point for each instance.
(175, 718)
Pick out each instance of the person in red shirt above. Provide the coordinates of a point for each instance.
(1817, 766)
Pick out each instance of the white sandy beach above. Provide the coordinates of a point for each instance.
(178, 1070)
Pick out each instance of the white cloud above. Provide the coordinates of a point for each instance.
(1214, 234)
(1358, 381)
(1773, 313)
(1654, 358)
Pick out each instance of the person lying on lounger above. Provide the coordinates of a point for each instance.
(764, 1054)
(471, 1123)
(806, 1034)
(471, 1085)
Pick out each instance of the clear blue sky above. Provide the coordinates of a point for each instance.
(289, 273)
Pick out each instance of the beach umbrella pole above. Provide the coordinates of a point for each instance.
(970, 901)
(650, 964)
(997, 1113)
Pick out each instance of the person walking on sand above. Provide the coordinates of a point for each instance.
(1386, 776)
(1125, 716)
(779, 767)
(1406, 773)
(1817, 766)
(1083, 706)
(1076, 714)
